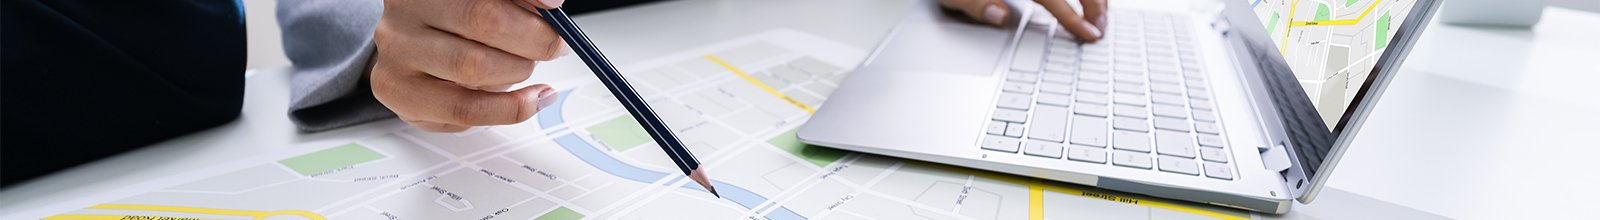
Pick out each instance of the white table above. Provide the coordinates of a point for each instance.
(1480, 124)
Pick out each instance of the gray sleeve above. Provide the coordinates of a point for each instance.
(330, 44)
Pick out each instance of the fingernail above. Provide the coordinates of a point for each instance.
(547, 97)
(994, 14)
(552, 3)
(1093, 31)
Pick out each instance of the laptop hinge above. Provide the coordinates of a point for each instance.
(1276, 158)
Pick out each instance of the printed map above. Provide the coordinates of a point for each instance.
(584, 158)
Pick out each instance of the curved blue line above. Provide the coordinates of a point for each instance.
(551, 116)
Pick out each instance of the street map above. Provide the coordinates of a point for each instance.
(1331, 44)
(736, 104)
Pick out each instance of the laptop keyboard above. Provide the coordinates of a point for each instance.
(1138, 99)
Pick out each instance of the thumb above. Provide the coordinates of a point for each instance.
(991, 12)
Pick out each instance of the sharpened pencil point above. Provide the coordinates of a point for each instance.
(699, 176)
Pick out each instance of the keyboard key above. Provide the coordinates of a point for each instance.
(1095, 64)
(1164, 98)
(1022, 77)
(1129, 99)
(1090, 131)
(1202, 95)
(1133, 79)
(997, 127)
(1057, 88)
(1086, 154)
(1061, 63)
(1203, 115)
(1026, 88)
(1094, 76)
(1091, 109)
(1174, 144)
(1014, 101)
(1013, 130)
(1131, 124)
(1166, 88)
(1054, 99)
(1218, 171)
(1131, 141)
(1179, 165)
(1090, 97)
(1214, 155)
(1049, 123)
(1042, 149)
(1094, 87)
(1200, 104)
(1130, 88)
(1165, 78)
(1172, 111)
(1173, 124)
(1002, 144)
(1059, 78)
(1210, 140)
(1010, 115)
(1130, 159)
(1207, 128)
(1130, 111)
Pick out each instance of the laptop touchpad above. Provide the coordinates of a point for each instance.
(937, 43)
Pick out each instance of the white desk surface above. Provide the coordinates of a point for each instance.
(1481, 123)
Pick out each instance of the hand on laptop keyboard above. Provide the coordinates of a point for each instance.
(1087, 27)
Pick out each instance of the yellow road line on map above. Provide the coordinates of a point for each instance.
(1339, 22)
(101, 217)
(758, 83)
(1283, 50)
(1036, 188)
(190, 210)
(1035, 202)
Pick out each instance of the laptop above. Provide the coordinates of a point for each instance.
(1244, 104)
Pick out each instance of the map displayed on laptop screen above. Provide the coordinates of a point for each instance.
(1331, 44)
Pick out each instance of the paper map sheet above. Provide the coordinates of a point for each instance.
(736, 103)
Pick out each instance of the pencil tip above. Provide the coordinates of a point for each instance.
(699, 176)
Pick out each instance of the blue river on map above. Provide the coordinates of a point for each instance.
(551, 116)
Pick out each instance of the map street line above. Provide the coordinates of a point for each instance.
(1284, 49)
(193, 210)
(758, 83)
(1035, 202)
(1338, 22)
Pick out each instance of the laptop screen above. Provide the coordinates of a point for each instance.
(1331, 44)
(1332, 48)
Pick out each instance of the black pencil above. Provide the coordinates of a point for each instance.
(631, 100)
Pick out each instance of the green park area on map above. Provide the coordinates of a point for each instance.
(331, 159)
(621, 133)
(561, 213)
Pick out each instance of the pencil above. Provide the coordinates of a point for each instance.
(631, 100)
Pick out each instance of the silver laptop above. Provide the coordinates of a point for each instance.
(1248, 104)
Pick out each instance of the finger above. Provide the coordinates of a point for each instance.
(992, 12)
(423, 98)
(450, 57)
(1095, 12)
(436, 126)
(1070, 20)
(499, 24)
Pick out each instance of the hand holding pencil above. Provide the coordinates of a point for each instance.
(631, 100)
